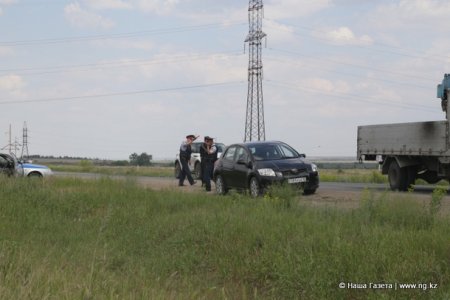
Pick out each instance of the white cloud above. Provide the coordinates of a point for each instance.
(277, 32)
(125, 44)
(81, 18)
(11, 82)
(327, 86)
(196, 68)
(108, 4)
(419, 8)
(6, 51)
(282, 9)
(412, 13)
(161, 7)
(8, 2)
(343, 36)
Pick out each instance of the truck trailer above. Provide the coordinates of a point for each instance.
(408, 151)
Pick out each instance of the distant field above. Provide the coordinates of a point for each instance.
(109, 170)
(67, 238)
(326, 175)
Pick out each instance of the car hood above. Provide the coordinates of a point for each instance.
(33, 166)
(284, 164)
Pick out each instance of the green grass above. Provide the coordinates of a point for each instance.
(352, 176)
(110, 170)
(67, 238)
(326, 175)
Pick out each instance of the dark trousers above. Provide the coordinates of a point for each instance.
(208, 167)
(185, 172)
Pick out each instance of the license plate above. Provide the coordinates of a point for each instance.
(297, 180)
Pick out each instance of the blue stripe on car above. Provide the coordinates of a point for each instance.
(31, 166)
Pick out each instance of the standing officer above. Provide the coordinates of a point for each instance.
(208, 152)
(203, 154)
(185, 159)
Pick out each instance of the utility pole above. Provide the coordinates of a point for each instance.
(16, 146)
(24, 143)
(10, 145)
(254, 122)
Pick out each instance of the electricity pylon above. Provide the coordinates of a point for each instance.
(254, 122)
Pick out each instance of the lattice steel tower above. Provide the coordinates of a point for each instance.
(254, 122)
(25, 153)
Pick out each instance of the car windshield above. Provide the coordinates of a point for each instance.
(272, 151)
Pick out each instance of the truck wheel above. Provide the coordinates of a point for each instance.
(411, 176)
(397, 176)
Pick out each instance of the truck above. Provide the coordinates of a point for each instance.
(408, 151)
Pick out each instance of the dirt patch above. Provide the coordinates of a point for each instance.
(342, 199)
(352, 199)
(325, 197)
(332, 195)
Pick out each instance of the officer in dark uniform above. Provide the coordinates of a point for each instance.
(203, 154)
(208, 154)
(185, 157)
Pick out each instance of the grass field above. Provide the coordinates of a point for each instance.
(110, 170)
(326, 175)
(66, 238)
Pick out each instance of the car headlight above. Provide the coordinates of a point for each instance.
(314, 168)
(266, 172)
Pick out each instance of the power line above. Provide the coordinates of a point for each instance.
(115, 64)
(439, 58)
(357, 98)
(349, 64)
(72, 98)
(315, 67)
(134, 34)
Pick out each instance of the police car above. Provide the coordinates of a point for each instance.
(195, 165)
(10, 166)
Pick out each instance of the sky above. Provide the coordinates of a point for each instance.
(107, 78)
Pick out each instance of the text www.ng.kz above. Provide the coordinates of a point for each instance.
(421, 286)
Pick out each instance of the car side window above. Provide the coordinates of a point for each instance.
(229, 155)
(195, 147)
(220, 147)
(288, 152)
(241, 154)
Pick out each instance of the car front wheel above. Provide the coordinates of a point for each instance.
(221, 189)
(34, 175)
(255, 188)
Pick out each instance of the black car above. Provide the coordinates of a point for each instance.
(256, 165)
